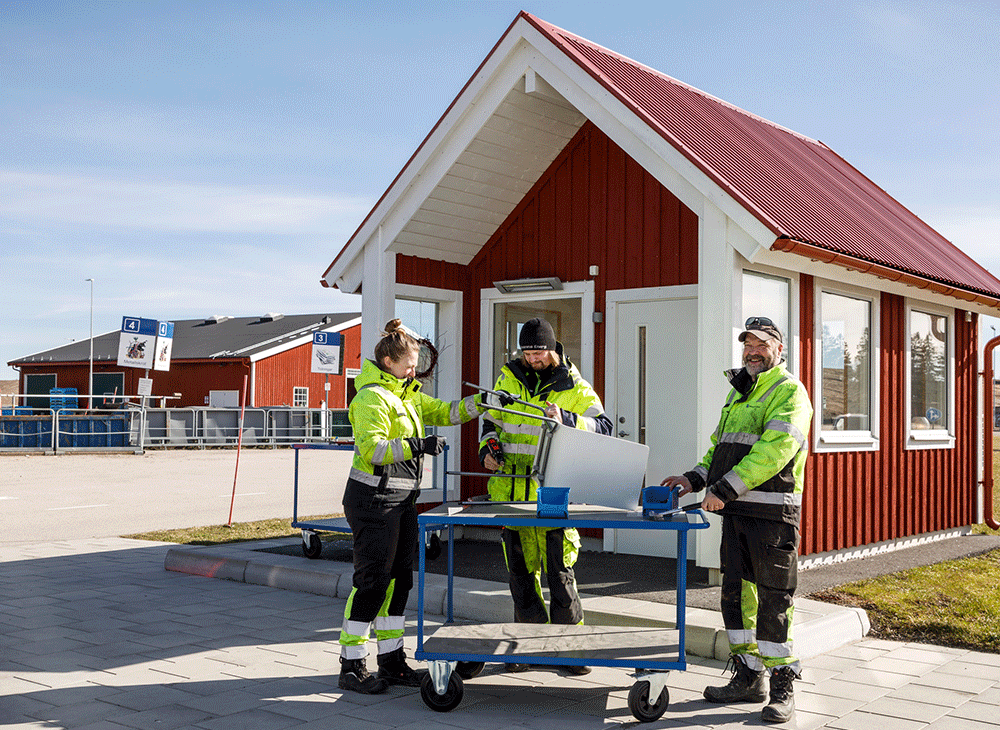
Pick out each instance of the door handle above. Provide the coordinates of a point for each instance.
(622, 434)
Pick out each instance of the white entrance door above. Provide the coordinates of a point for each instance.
(655, 401)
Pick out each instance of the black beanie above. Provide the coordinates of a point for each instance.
(537, 334)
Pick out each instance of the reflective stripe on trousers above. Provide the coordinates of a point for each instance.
(760, 563)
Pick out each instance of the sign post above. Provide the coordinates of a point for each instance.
(164, 345)
(139, 346)
(136, 344)
(327, 352)
(327, 357)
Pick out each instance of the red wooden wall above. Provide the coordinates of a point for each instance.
(276, 376)
(593, 206)
(864, 497)
(192, 379)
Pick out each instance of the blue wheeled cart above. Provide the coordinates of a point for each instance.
(457, 652)
(312, 546)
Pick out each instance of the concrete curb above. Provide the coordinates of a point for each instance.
(819, 627)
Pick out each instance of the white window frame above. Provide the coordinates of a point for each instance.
(858, 440)
(582, 290)
(449, 381)
(792, 352)
(299, 390)
(938, 438)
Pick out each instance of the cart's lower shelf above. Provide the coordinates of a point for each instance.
(541, 643)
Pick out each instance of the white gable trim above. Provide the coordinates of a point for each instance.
(468, 113)
(526, 56)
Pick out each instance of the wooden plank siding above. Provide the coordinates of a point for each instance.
(277, 376)
(195, 378)
(593, 206)
(861, 498)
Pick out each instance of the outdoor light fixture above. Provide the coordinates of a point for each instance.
(519, 286)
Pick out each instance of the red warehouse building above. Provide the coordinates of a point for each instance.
(209, 360)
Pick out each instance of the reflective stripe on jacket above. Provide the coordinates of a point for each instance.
(518, 435)
(757, 460)
(384, 414)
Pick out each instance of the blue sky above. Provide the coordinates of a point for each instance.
(200, 158)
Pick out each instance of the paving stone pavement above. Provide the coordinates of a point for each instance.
(96, 634)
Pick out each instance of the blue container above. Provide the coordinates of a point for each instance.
(97, 431)
(553, 502)
(658, 499)
(63, 398)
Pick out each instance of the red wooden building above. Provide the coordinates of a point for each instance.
(646, 220)
(209, 360)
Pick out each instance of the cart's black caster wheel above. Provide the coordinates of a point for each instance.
(314, 548)
(638, 703)
(433, 550)
(470, 670)
(446, 702)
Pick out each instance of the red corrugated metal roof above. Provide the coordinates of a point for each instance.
(799, 188)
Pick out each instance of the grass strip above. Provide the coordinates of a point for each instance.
(955, 603)
(271, 529)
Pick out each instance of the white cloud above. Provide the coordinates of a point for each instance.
(170, 205)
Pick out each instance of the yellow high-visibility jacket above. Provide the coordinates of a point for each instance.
(387, 412)
(518, 435)
(756, 463)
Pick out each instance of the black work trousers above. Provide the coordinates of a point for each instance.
(385, 538)
(525, 579)
(759, 575)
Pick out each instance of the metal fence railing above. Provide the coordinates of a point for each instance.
(135, 428)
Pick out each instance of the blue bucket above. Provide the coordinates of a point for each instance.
(658, 499)
(553, 502)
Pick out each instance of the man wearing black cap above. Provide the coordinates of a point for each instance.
(754, 473)
(545, 376)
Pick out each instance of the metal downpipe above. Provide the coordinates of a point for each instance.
(988, 417)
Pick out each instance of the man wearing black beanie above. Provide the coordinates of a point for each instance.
(545, 376)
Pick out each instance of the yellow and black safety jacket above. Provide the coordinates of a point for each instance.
(385, 414)
(757, 460)
(518, 435)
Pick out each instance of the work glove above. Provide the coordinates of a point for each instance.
(497, 399)
(432, 445)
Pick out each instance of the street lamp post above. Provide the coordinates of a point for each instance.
(90, 382)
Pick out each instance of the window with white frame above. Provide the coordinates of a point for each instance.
(931, 371)
(422, 318)
(300, 397)
(846, 370)
(769, 296)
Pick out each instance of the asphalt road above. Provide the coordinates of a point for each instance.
(73, 496)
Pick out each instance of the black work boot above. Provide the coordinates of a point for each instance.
(745, 686)
(354, 675)
(392, 668)
(781, 708)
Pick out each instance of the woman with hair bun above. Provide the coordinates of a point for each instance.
(388, 416)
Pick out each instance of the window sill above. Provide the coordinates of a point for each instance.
(846, 441)
(930, 440)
